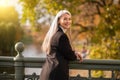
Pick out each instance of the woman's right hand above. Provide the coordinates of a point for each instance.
(79, 56)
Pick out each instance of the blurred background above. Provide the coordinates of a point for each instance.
(95, 27)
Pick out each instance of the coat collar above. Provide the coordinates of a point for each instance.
(61, 29)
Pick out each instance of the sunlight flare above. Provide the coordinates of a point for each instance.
(4, 3)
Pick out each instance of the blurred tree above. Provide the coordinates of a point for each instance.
(106, 38)
(106, 32)
(10, 30)
(29, 12)
(56, 5)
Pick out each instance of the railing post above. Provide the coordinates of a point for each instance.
(113, 75)
(89, 74)
(19, 64)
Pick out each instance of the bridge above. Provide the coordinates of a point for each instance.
(19, 63)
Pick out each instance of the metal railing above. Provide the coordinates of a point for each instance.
(19, 63)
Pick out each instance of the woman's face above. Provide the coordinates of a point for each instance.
(65, 21)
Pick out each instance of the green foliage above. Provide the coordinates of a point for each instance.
(97, 73)
(54, 6)
(29, 12)
(112, 48)
(107, 31)
(96, 53)
(106, 38)
(10, 30)
(109, 24)
(109, 49)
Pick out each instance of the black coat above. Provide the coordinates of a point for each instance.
(56, 65)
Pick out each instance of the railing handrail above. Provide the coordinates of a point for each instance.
(85, 61)
(38, 61)
(87, 64)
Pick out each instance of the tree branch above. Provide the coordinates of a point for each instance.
(98, 3)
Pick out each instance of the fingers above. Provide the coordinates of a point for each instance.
(79, 57)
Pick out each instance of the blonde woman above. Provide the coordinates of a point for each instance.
(58, 49)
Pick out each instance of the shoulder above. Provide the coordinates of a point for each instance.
(58, 34)
(56, 38)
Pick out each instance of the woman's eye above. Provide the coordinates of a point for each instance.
(67, 18)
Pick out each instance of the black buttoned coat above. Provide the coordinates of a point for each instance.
(56, 64)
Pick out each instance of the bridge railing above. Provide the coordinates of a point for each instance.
(19, 63)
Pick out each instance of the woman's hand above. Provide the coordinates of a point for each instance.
(79, 57)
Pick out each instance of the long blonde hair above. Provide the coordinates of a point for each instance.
(52, 30)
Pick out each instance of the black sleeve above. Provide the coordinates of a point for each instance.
(65, 48)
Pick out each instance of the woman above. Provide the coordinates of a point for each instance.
(57, 46)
